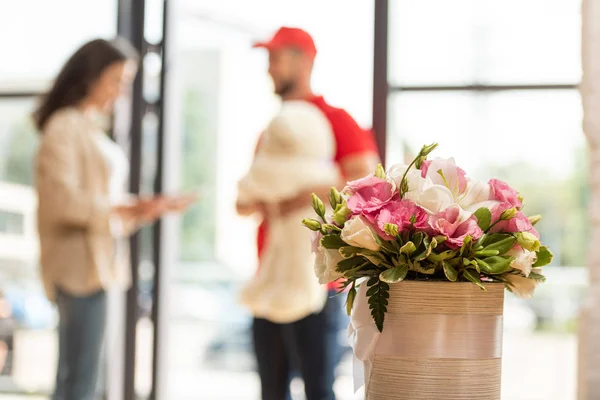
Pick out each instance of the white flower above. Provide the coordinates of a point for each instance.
(522, 287)
(396, 172)
(524, 259)
(423, 192)
(433, 199)
(446, 173)
(476, 192)
(357, 233)
(489, 204)
(326, 263)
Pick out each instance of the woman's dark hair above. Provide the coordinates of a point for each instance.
(79, 73)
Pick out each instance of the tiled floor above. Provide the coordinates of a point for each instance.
(528, 360)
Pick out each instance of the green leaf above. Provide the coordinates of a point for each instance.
(408, 248)
(433, 243)
(349, 264)
(429, 246)
(473, 277)
(417, 239)
(440, 239)
(444, 255)
(466, 246)
(427, 268)
(484, 218)
(350, 300)
(478, 245)
(450, 272)
(372, 290)
(537, 277)
(359, 271)
(331, 227)
(424, 254)
(374, 257)
(378, 303)
(544, 257)
(373, 281)
(386, 245)
(394, 275)
(366, 273)
(349, 251)
(486, 253)
(500, 241)
(471, 264)
(398, 262)
(494, 265)
(333, 241)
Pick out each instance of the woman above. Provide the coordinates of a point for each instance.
(82, 205)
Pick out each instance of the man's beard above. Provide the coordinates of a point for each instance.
(286, 88)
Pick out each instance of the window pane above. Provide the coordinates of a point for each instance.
(222, 108)
(27, 319)
(435, 42)
(18, 140)
(46, 33)
(533, 140)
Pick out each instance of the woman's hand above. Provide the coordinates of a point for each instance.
(147, 210)
(126, 212)
(151, 209)
(180, 203)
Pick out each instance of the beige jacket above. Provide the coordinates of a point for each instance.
(76, 244)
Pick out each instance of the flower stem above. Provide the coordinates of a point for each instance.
(406, 172)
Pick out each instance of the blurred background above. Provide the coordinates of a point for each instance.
(494, 82)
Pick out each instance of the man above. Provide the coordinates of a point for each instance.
(292, 52)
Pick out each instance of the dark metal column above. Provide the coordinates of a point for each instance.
(131, 27)
(143, 138)
(380, 76)
(158, 188)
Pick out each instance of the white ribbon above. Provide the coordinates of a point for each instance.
(363, 336)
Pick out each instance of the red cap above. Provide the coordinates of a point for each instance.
(291, 37)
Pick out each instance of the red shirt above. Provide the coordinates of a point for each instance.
(350, 140)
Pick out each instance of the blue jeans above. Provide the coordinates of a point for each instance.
(80, 335)
(309, 345)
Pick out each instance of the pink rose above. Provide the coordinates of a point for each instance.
(400, 213)
(456, 225)
(519, 223)
(369, 194)
(445, 172)
(500, 191)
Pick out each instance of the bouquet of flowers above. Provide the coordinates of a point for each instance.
(425, 221)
